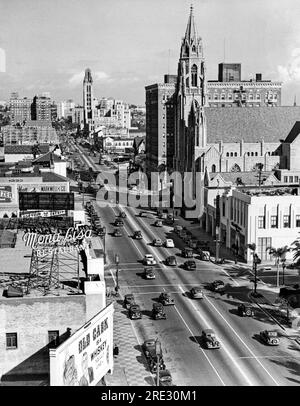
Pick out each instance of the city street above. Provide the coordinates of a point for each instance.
(242, 358)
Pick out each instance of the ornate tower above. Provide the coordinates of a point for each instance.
(88, 107)
(191, 92)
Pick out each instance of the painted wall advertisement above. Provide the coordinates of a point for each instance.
(85, 357)
(6, 195)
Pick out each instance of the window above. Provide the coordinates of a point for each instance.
(273, 221)
(223, 209)
(296, 179)
(11, 341)
(194, 75)
(286, 221)
(216, 96)
(227, 153)
(229, 96)
(250, 96)
(222, 96)
(285, 179)
(256, 153)
(261, 222)
(297, 220)
(209, 97)
(213, 168)
(53, 338)
(235, 154)
(258, 96)
(291, 179)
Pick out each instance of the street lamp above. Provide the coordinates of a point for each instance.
(283, 269)
(256, 260)
(103, 239)
(117, 260)
(158, 355)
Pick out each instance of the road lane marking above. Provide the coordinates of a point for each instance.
(193, 335)
(223, 346)
(242, 341)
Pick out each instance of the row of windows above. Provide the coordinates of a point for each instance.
(291, 179)
(12, 339)
(252, 154)
(274, 221)
(216, 96)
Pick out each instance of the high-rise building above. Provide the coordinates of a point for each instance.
(41, 108)
(88, 106)
(20, 109)
(229, 72)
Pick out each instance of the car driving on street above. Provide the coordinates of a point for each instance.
(135, 312)
(169, 243)
(171, 261)
(187, 252)
(190, 265)
(158, 312)
(209, 339)
(177, 228)
(149, 260)
(157, 242)
(245, 310)
(197, 293)
(119, 222)
(158, 223)
(269, 337)
(149, 273)
(166, 299)
(217, 286)
(117, 233)
(138, 235)
(165, 378)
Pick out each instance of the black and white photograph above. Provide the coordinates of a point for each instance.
(149, 196)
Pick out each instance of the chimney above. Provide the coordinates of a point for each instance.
(258, 77)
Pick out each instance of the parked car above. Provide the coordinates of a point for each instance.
(171, 261)
(117, 233)
(162, 215)
(150, 353)
(197, 293)
(209, 339)
(149, 260)
(119, 222)
(204, 255)
(166, 299)
(158, 223)
(128, 300)
(135, 312)
(138, 235)
(149, 273)
(169, 243)
(190, 265)
(158, 312)
(142, 214)
(123, 214)
(270, 337)
(157, 242)
(217, 286)
(187, 252)
(177, 228)
(245, 310)
(165, 378)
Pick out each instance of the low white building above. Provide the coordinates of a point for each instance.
(268, 217)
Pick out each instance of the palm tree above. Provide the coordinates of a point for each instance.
(278, 254)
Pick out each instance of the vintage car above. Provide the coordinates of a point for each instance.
(117, 233)
(166, 299)
(135, 312)
(162, 215)
(128, 300)
(149, 260)
(158, 312)
(138, 235)
(169, 243)
(204, 255)
(177, 228)
(269, 337)
(187, 252)
(165, 378)
(190, 265)
(209, 339)
(197, 293)
(149, 273)
(158, 223)
(245, 310)
(217, 286)
(123, 214)
(150, 353)
(171, 261)
(119, 222)
(157, 242)
(143, 214)
(149, 347)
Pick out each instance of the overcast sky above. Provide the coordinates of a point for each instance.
(45, 45)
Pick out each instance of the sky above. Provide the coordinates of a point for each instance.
(45, 45)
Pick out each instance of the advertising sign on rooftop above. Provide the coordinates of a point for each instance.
(85, 357)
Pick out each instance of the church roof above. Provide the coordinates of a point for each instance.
(247, 178)
(250, 124)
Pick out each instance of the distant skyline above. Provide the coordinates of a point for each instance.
(45, 45)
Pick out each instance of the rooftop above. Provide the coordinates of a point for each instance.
(250, 123)
(24, 149)
(285, 191)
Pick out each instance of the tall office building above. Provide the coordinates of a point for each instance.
(229, 72)
(20, 109)
(88, 106)
(41, 108)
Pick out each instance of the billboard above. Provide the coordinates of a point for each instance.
(6, 195)
(46, 201)
(85, 357)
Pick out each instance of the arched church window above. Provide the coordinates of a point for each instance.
(193, 48)
(235, 168)
(213, 168)
(187, 50)
(235, 154)
(231, 153)
(227, 153)
(194, 75)
(187, 82)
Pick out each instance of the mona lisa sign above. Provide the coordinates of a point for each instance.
(85, 357)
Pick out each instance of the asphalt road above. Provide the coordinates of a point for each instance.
(242, 358)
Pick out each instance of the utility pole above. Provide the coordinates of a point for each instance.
(217, 227)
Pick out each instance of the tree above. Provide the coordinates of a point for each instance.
(35, 149)
(278, 254)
